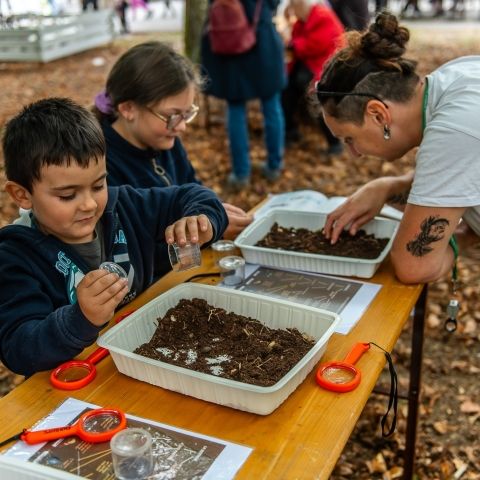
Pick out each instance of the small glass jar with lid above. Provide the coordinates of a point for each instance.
(221, 249)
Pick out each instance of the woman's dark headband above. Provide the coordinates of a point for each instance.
(324, 94)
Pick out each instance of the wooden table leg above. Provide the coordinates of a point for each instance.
(414, 384)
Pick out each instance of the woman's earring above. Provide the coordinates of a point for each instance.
(386, 132)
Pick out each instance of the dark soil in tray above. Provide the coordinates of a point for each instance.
(360, 245)
(200, 337)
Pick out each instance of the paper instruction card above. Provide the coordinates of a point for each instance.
(178, 453)
(312, 201)
(348, 298)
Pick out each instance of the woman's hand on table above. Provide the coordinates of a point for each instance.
(357, 209)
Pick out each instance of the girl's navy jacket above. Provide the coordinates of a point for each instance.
(142, 168)
(41, 324)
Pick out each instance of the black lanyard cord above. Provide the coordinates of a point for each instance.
(393, 396)
(202, 275)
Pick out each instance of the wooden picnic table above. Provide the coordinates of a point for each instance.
(303, 438)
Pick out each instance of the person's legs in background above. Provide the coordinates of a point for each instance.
(237, 130)
(414, 5)
(381, 5)
(293, 96)
(352, 13)
(438, 7)
(121, 9)
(335, 146)
(168, 9)
(86, 3)
(274, 124)
(289, 105)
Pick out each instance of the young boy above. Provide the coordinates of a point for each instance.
(54, 299)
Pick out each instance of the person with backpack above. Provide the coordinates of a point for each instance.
(250, 67)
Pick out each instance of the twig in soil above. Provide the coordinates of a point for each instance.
(247, 332)
(233, 371)
(271, 345)
(210, 313)
(260, 366)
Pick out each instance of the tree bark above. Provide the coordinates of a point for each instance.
(195, 12)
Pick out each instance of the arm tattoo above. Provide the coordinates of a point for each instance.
(400, 199)
(432, 230)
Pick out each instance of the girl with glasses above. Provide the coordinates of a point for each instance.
(374, 100)
(146, 106)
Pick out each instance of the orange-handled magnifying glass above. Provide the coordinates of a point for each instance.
(94, 426)
(75, 374)
(342, 376)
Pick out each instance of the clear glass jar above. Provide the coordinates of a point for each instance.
(232, 269)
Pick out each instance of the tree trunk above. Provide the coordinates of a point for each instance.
(195, 12)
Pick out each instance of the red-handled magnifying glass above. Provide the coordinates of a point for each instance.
(94, 426)
(342, 376)
(75, 374)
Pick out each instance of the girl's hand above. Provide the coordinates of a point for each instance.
(238, 219)
(194, 229)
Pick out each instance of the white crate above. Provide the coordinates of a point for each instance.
(42, 39)
(311, 262)
(139, 327)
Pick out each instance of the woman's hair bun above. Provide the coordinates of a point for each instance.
(385, 39)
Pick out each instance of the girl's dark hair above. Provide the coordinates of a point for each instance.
(371, 63)
(146, 74)
(53, 131)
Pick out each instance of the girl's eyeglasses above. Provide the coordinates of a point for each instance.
(175, 119)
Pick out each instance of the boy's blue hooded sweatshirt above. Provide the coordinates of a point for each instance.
(41, 324)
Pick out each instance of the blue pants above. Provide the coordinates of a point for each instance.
(237, 128)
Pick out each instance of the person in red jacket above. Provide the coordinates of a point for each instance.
(315, 36)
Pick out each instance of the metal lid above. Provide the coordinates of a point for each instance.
(231, 262)
(113, 267)
(223, 246)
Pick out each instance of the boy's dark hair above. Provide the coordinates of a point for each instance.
(146, 74)
(54, 131)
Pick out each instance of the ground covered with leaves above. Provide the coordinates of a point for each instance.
(448, 444)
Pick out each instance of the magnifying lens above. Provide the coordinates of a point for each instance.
(75, 374)
(342, 376)
(94, 426)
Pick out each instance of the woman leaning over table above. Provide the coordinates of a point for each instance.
(373, 99)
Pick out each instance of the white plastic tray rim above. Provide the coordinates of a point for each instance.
(289, 218)
(202, 291)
